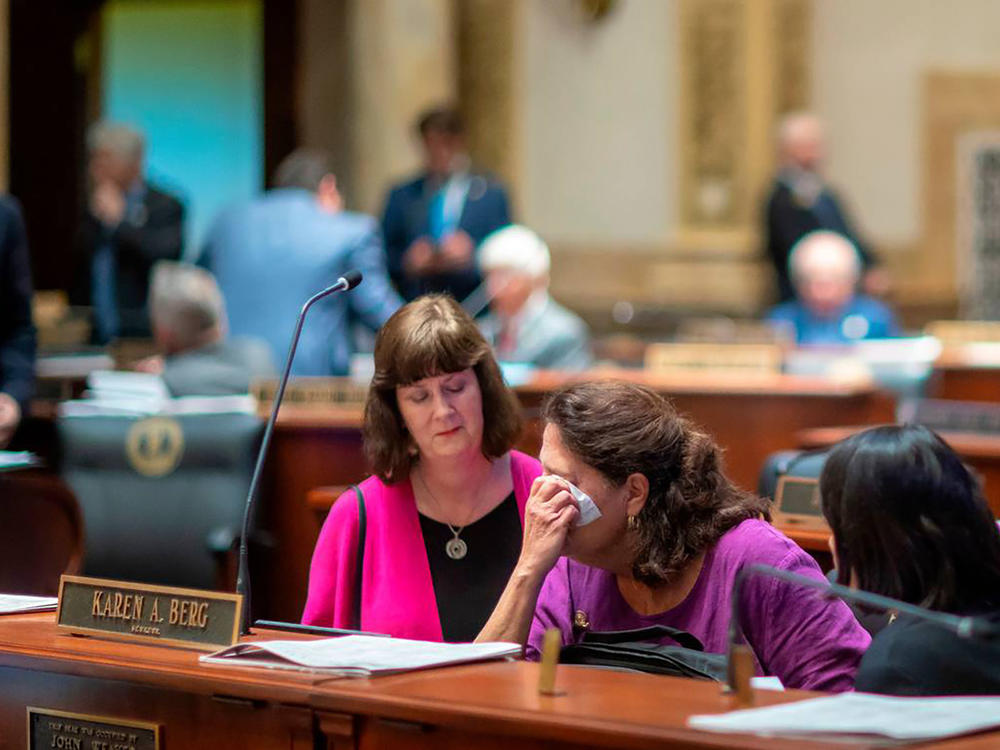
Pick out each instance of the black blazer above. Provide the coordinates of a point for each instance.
(786, 221)
(17, 333)
(156, 232)
(911, 657)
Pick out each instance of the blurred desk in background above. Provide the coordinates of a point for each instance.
(750, 416)
(980, 451)
(967, 373)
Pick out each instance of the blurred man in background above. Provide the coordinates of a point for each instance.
(526, 325)
(17, 333)
(188, 318)
(275, 251)
(127, 226)
(432, 224)
(825, 268)
(801, 202)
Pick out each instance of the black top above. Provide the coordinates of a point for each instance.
(911, 657)
(17, 333)
(467, 590)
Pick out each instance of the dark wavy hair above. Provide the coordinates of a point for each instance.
(432, 335)
(622, 429)
(909, 520)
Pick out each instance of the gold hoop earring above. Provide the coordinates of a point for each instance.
(633, 523)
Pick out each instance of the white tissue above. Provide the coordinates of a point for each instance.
(589, 512)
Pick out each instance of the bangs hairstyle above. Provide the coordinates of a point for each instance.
(909, 521)
(622, 429)
(431, 336)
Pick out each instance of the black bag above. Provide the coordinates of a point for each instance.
(632, 649)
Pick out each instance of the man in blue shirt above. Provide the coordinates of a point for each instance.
(825, 268)
(275, 251)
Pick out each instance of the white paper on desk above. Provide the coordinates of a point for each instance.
(17, 460)
(12, 604)
(861, 714)
(359, 655)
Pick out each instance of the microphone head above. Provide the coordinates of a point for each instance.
(353, 278)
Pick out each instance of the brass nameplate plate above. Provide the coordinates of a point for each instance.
(58, 729)
(797, 502)
(153, 614)
(313, 390)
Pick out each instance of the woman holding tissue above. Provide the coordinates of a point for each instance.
(444, 510)
(672, 534)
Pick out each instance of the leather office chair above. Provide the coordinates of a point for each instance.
(162, 497)
(41, 533)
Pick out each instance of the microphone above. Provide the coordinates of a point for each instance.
(965, 626)
(345, 283)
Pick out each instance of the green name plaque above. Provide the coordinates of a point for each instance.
(58, 729)
(205, 620)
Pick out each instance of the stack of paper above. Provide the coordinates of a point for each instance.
(861, 714)
(14, 604)
(358, 655)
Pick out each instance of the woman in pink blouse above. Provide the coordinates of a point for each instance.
(444, 510)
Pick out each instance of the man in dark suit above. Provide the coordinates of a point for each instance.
(433, 224)
(801, 202)
(127, 226)
(17, 334)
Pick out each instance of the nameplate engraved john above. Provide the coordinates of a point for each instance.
(58, 729)
(193, 618)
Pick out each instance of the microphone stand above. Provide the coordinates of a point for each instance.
(738, 652)
(346, 282)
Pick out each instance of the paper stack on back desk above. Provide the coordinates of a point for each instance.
(16, 604)
(358, 655)
(861, 715)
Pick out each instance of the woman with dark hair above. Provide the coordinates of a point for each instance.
(672, 535)
(909, 521)
(443, 512)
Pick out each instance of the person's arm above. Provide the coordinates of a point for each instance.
(17, 332)
(160, 237)
(374, 300)
(330, 598)
(548, 516)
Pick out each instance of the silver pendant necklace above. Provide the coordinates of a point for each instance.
(455, 548)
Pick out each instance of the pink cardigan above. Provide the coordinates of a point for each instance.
(397, 594)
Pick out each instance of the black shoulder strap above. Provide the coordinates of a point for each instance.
(359, 559)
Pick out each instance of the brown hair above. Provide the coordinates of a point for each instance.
(446, 120)
(432, 335)
(621, 429)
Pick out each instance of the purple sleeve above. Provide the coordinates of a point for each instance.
(808, 642)
(551, 611)
(331, 573)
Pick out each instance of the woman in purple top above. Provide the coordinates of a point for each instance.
(672, 535)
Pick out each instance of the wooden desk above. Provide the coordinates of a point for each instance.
(751, 416)
(981, 452)
(966, 374)
(488, 706)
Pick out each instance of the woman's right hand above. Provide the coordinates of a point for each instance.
(549, 514)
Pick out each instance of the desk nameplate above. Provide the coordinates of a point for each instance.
(205, 620)
(59, 729)
(797, 503)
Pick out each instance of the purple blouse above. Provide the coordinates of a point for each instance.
(806, 641)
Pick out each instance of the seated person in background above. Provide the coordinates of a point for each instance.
(444, 510)
(433, 223)
(909, 521)
(17, 333)
(801, 201)
(273, 252)
(673, 534)
(127, 226)
(526, 324)
(189, 326)
(825, 269)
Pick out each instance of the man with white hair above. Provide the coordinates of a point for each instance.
(526, 325)
(825, 267)
(801, 202)
(188, 318)
(127, 226)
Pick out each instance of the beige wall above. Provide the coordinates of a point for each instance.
(870, 57)
(598, 112)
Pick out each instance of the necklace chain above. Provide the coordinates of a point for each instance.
(455, 548)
